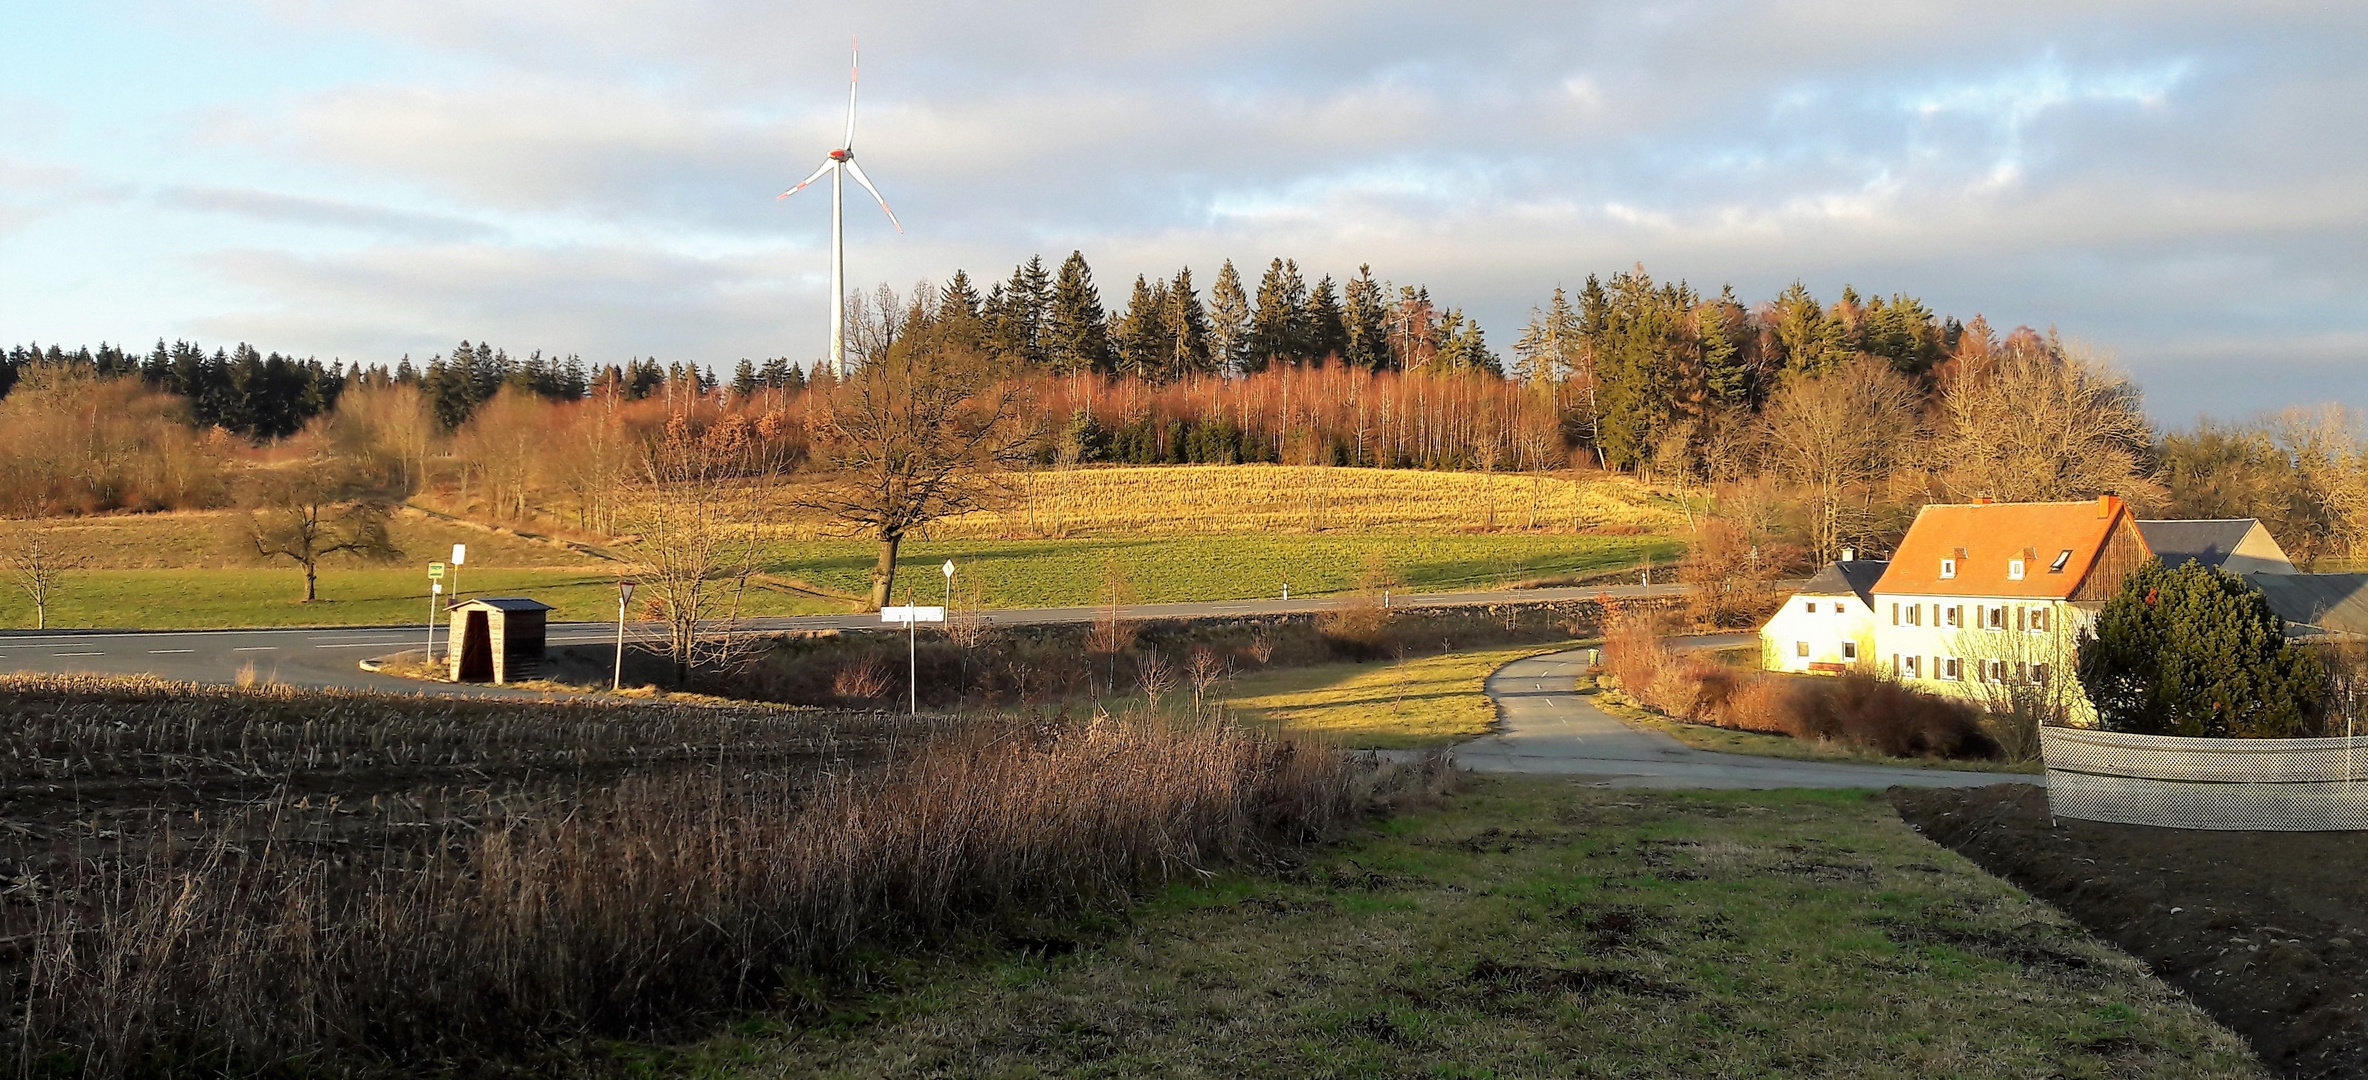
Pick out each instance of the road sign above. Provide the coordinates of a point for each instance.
(460, 554)
(436, 571)
(912, 614)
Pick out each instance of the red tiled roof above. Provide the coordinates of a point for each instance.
(1983, 538)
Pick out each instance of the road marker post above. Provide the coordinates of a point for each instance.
(912, 616)
(624, 596)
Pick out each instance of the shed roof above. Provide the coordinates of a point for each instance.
(1856, 577)
(2317, 604)
(2209, 541)
(506, 603)
(1980, 539)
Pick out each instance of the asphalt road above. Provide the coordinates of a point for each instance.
(330, 656)
(1550, 728)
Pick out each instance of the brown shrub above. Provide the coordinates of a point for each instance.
(628, 909)
(1859, 711)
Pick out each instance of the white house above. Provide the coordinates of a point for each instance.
(1829, 625)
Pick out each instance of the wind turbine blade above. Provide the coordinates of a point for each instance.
(854, 75)
(818, 174)
(857, 172)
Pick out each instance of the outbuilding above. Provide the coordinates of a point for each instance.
(497, 639)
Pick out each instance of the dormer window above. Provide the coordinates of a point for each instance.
(1948, 569)
(2014, 569)
(2063, 559)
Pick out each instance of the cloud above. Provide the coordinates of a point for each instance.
(597, 175)
(328, 213)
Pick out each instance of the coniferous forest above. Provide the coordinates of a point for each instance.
(1837, 417)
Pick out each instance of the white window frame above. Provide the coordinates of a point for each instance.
(1948, 569)
(1849, 650)
(2014, 569)
(1800, 649)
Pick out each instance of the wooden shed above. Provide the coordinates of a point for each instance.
(497, 639)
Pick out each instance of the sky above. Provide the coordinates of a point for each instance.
(2181, 187)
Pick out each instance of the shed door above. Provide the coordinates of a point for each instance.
(476, 649)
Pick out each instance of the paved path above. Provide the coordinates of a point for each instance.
(1550, 728)
(323, 657)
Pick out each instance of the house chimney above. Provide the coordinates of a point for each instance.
(1849, 554)
(2108, 505)
(1981, 500)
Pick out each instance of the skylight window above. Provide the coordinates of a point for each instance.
(2063, 559)
(1948, 568)
(2014, 569)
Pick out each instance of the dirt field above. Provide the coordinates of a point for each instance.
(2266, 931)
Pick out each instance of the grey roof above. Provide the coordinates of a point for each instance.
(1854, 578)
(507, 603)
(2210, 541)
(2317, 605)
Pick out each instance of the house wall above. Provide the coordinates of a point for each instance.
(2258, 553)
(1947, 645)
(1798, 639)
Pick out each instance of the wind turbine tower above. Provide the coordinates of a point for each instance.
(840, 163)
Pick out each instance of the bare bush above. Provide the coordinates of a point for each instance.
(1854, 710)
(629, 909)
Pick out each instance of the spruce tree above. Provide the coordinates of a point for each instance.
(1278, 327)
(1811, 342)
(1327, 334)
(1365, 323)
(1140, 339)
(2196, 651)
(1726, 372)
(1550, 347)
(744, 378)
(1229, 322)
(1188, 327)
(1077, 333)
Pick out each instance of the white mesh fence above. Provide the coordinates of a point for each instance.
(2285, 785)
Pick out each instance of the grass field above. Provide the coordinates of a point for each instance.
(1532, 928)
(1419, 702)
(1173, 500)
(1059, 573)
(200, 599)
(1174, 533)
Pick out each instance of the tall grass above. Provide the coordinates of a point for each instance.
(628, 908)
(1854, 710)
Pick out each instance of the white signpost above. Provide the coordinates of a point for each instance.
(912, 616)
(460, 554)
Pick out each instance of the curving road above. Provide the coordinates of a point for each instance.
(1550, 728)
(328, 657)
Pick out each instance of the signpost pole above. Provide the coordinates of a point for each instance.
(624, 596)
(435, 589)
(912, 653)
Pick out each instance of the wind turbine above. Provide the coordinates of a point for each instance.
(839, 164)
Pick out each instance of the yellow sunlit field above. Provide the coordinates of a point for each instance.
(1157, 500)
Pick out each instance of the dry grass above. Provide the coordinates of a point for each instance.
(1421, 701)
(694, 876)
(1173, 500)
(1541, 928)
(201, 539)
(1860, 712)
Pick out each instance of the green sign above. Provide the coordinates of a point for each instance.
(436, 571)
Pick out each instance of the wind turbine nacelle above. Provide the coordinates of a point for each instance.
(841, 155)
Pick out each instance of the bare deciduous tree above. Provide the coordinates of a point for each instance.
(921, 435)
(37, 566)
(2040, 424)
(693, 521)
(311, 510)
(1838, 434)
